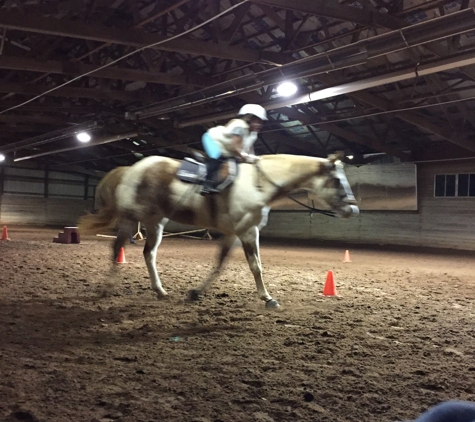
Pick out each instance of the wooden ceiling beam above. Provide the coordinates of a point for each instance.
(408, 116)
(371, 142)
(331, 9)
(63, 108)
(75, 69)
(46, 120)
(349, 135)
(98, 94)
(133, 37)
(24, 128)
(239, 15)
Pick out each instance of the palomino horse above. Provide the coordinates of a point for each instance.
(150, 192)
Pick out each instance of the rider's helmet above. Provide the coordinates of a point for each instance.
(254, 110)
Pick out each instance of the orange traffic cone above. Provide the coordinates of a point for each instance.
(347, 256)
(330, 288)
(5, 233)
(121, 257)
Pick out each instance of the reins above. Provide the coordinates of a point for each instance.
(313, 209)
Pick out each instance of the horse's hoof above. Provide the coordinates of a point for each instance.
(103, 293)
(161, 296)
(105, 290)
(194, 295)
(272, 304)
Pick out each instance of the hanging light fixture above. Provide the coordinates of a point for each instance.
(83, 137)
(286, 89)
(2, 157)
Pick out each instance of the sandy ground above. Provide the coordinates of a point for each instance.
(400, 338)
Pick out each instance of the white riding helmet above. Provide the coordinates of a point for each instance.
(255, 110)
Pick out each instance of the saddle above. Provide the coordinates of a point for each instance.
(195, 171)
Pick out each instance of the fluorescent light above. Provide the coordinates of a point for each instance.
(350, 157)
(286, 89)
(2, 158)
(83, 137)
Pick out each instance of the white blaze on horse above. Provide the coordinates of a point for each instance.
(150, 192)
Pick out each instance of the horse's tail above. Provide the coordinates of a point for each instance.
(106, 215)
(104, 218)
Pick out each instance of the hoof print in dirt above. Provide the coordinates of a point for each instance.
(308, 397)
(21, 415)
(194, 295)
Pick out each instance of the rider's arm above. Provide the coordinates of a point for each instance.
(241, 140)
(236, 146)
(235, 131)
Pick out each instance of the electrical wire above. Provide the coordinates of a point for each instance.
(127, 55)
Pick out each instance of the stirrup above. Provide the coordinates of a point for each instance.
(208, 191)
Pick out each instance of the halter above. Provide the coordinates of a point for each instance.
(261, 172)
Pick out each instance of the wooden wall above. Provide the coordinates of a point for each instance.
(439, 222)
(15, 209)
(30, 195)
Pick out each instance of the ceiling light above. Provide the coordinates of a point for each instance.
(2, 158)
(83, 137)
(286, 89)
(350, 157)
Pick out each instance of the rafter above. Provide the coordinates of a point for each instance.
(74, 69)
(132, 37)
(98, 94)
(332, 9)
(239, 15)
(46, 120)
(349, 135)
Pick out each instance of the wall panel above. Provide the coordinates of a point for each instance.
(16, 209)
(439, 222)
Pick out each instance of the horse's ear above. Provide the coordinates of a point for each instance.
(338, 155)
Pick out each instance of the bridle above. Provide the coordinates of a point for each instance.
(262, 173)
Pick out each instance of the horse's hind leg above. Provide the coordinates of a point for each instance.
(119, 242)
(154, 238)
(227, 244)
(250, 244)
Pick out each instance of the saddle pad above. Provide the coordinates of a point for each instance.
(191, 171)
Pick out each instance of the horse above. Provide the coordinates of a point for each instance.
(149, 192)
(105, 189)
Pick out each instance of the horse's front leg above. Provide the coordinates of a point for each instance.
(250, 244)
(227, 244)
(154, 238)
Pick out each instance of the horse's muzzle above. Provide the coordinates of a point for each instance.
(347, 211)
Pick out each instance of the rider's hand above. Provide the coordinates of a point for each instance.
(251, 159)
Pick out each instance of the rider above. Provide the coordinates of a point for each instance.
(235, 139)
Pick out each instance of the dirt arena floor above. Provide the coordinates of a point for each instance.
(400, 338)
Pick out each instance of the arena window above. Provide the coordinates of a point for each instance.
(454, 185)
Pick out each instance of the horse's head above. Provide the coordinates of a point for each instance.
(332, 186)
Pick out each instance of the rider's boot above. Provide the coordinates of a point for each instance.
(209, 185)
